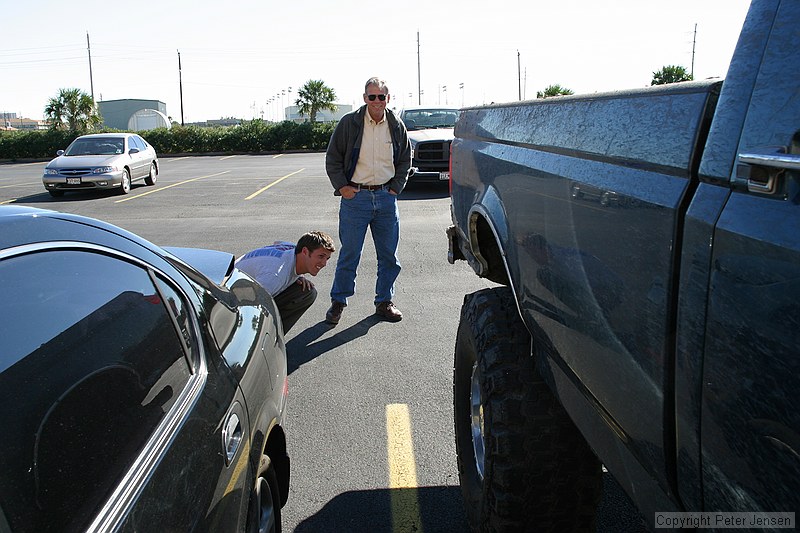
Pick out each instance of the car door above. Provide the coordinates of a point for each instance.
(750, 434)
(117, 414)
(139, 166)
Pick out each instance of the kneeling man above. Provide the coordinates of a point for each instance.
(279, 268)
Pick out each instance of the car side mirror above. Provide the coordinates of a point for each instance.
(59, 153)
(133, 151)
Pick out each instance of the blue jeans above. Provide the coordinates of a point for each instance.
(376, 210)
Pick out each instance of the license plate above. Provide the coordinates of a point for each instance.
(73, 181)
(444, 176)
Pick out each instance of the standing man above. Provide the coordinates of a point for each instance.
(279, 268)
(367, 161)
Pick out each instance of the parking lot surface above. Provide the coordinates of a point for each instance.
(370, 426)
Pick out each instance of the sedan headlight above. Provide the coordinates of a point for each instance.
(51, 172)
(104, 170)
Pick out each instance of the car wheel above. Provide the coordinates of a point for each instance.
(56, 194)
(153, 176)
(522, 464)
(265, 510)
(125, 186)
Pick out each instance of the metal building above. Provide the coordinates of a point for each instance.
(119, 114)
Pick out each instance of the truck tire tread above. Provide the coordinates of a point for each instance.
(539, 473)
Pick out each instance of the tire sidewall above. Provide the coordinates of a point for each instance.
(472, 486)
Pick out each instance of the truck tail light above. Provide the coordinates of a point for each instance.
(450, 171)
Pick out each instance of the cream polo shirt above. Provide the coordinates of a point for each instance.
(375, 164)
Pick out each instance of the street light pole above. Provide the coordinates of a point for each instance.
(180, 84)
(91, 78)
(419, 80)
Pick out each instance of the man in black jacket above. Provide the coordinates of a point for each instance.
(367, 161)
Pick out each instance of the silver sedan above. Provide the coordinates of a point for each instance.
(102, 161)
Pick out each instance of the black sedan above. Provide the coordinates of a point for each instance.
(139, 393)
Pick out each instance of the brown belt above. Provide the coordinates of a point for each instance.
(369, 187)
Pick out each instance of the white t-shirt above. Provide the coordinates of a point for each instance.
(272, 266)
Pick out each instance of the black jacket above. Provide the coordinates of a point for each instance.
(345, 145)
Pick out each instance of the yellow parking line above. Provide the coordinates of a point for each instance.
(170, 186)
(402, 471)
(170, 159)
(277, 156)
(8, 201)
(273, 183)
(226, 157)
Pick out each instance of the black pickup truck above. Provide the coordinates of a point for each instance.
(656, 332)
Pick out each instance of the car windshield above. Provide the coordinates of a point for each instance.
(109, 146)
(422, 119)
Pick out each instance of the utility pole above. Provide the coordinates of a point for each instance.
(419, 81)
(91, 79)
(694, 42)
(180, 83)
(519, 77)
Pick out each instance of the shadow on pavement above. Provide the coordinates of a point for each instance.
(303, 348)
(428, 509)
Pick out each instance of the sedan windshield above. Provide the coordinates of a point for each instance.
(110, 146)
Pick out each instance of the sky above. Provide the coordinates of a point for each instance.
(246, 59)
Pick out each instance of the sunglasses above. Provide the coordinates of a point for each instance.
(372, 97)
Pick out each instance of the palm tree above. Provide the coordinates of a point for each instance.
(553, 90)
(72, 109)
(670, 74)
(313, 97)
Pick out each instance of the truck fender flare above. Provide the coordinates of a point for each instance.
(489, 211)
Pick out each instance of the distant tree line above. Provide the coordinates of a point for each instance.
(666, 74)
(73, 113)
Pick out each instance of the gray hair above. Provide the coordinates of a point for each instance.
(377, 82)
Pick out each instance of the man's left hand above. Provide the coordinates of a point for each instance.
(306, 284)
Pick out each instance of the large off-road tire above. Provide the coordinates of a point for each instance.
(522, 463)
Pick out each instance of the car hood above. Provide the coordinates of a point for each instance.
(439, 134)
(82, 161)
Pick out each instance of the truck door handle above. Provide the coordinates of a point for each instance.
(763, 172)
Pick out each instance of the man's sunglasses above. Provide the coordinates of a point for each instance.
(372, 97)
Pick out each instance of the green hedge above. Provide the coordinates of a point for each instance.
(255, 136)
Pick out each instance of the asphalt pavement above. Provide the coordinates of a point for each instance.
(370, 421)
